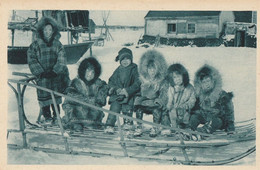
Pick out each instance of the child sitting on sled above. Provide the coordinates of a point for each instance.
(181, 96)
(152, 71)
(89, 88)
(124, 84)
(214, 107)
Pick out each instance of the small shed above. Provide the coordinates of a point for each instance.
(186, 24)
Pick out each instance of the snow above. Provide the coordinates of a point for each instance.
(237, 66)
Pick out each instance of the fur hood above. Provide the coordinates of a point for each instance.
(181, 70)
(215, 94)
(42, 23)
(159, 61)
(86, 63)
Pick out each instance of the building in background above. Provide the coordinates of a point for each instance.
(202, 28)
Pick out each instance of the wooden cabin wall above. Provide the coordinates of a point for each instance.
(206, 26)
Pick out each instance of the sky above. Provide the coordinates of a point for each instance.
(129, 18)
(125, 18)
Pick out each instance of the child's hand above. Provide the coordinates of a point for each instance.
(123, 92)
(111, 91)
(118, 91)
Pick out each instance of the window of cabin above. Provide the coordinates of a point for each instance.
(171, 28)
(191, 28)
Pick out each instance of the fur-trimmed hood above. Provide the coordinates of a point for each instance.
(45, 21)
(86, 63)
(215, 94)
(158, 60)
(177, 67)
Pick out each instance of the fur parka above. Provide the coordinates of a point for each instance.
(93, 92)
(45, 57)
(152, 92)
(218, 102)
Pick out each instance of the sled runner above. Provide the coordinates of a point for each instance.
(179, 148)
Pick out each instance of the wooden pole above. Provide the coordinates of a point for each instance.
(89, 34)
(59, 121)
(20, 114)
(121, 137)
(13, 37)
(13, 16)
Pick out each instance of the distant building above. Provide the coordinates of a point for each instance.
(245, 16)
(192, 24)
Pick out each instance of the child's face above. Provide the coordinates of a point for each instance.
(125, 62)
(177, 78)
(47, 31)
(151, 72)
(207, 84)
(90, 74)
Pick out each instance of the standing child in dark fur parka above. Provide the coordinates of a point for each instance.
(152, 71)
(214, 107)
(87, 87)
(47, 61)
(124, 84)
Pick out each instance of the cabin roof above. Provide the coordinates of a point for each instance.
(169, 14)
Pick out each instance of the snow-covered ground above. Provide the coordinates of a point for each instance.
(237, 66)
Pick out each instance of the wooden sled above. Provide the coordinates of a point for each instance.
(215, 149)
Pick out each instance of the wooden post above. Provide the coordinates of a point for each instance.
(121, 137)
(36, 15)
(59, 121)
(13, 37)
(20, 114)
(89, 34)
(183, 149)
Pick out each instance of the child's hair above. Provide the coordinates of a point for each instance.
(89, 63)
(151, 64)
(204, 73)
(180, 69)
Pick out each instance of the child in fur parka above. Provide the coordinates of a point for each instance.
(214, 107)
(47, 61)
(87, 87)
(124, 84)
(181, 96)
(152, 71)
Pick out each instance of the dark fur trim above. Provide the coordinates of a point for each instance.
(42, 23)
(207, 70)
(179, 68)
(88, 62)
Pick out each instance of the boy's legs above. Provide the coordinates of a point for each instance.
(195, 120)
(54, 112)
(157, 115)
(128, 111)
(46, 112)
(111, 119)
(96, 116)
(165, 120)
(173, 118)
(216, 124)
(139, 115)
